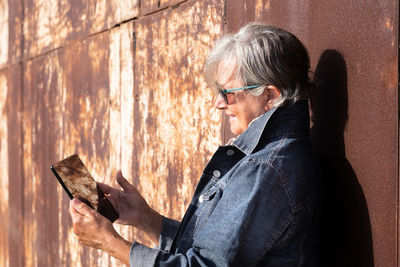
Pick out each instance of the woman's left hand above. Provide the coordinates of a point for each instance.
(94, 230)
(91, 228)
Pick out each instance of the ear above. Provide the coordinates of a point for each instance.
(273, 95)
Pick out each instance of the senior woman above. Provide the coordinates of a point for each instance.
(256, 201)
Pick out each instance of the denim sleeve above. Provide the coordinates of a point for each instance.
(251, 215)
(168, 231)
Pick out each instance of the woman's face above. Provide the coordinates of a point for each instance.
(244, 107)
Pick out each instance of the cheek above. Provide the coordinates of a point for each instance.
(240, 122)
(248, 115)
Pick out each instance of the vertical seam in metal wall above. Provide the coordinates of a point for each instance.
(120, 102)
(398, 136)
(223, 121)
(21, 62)
(224, 18)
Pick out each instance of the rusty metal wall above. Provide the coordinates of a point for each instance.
(357, 141)
(120, 83)
(121, 88)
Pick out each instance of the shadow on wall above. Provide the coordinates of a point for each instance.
(346, 238)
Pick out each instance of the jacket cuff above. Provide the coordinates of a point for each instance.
(168, 231)
(140, 255)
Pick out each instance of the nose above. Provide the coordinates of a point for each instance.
(220, 103)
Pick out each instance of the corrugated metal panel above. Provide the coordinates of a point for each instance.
(68, 108)
(4, 198)
(363, 198)
(86, 98)
(4, 11)
(15, 38)
(41, 133)
(149, 6)
(10, 32)
(120, 69)
(50, 24)
(11, 174)
(15, 175)
(171, 3)
(175, 127)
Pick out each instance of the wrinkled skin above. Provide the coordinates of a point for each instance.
(129, 204)
(94, 230)
(91, 228)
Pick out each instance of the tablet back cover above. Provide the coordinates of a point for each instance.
(77, 179)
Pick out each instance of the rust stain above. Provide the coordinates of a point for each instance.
(389, 76)
(127, 98)
(121, 81)
(14, 31)
(176, 130)
(4, 35)
(366, 37)
(170, 3)
(389, 24)
(69, 101)
(51, 24)
(92, 105)
(119, 65)
(29, 224)
(124, 10)
(81, 99)
(45, 25)
(149, 6)
(4, 197)
(260, 7)
(114, 66)
(134, 97)
(120, 68)
(40, 131)
(86, 102)
(13, 117)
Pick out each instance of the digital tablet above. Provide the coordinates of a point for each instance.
(79, 183)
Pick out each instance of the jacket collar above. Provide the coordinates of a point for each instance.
(284, 120)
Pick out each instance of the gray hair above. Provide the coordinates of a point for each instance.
(265, 55)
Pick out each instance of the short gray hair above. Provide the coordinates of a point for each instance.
(265, 55)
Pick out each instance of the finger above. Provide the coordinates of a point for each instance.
(82, 208)
(106, 189)
(128, 187)
(75, 215)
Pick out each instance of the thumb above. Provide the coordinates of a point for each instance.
(128, 187)
(82, 208)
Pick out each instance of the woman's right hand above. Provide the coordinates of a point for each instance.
(133, 208)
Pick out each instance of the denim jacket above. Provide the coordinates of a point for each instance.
(255, 203)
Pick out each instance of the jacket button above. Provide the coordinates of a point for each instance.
(217, 173)
(201, 198)
(230, 152)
